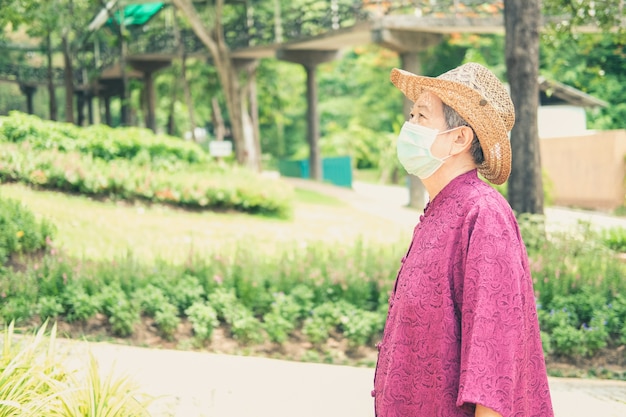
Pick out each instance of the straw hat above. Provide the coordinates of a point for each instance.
(479, 97)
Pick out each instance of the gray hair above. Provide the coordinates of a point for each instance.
(453, 119)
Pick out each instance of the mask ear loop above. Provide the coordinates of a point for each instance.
(452, 144)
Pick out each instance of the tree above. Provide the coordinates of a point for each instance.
(593, 61)
(521, 21)
(212, 37)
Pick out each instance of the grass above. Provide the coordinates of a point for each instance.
(97, 230)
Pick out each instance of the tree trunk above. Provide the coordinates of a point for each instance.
(254, 107)
(521, 20)
(213, 39)
(182, 56)
(218, 121)
(171, 120)
(68, 76)
(51, 90)
(188, 100)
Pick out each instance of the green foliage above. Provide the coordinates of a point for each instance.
(282, 318)
(99, 141)
(203, 318)
(34, 382)
(186, 292)
(20, 231)
(78, 304)
(318, 290)
(615, 238)
(177, 184)
(360, 326)
(16, 309)
(49, 307)
(121, 312)
(167, 320)
(149, 299)
(25, 372)
(594, 64)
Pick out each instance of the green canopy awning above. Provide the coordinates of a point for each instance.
(137, 14)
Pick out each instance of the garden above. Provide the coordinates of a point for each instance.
(126, 236)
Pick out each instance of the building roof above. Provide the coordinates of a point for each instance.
(554, 92)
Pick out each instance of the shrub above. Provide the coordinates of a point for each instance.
(78, 304)
(316, 329)
(615, 238)
(166, 318)
(149, 299)
(18, 309)
(283, 317)
(100, 141)
(194, 187)
(359, 326)
(49, 307)
(26, 372)
(34, 382)
(121, 312)
(20, 232)
(204, 320)
(186, 292)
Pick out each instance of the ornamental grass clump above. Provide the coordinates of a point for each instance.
(27, 370)
(35, 383)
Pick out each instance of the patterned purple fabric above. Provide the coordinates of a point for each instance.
(462, 324)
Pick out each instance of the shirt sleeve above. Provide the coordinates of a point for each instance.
(495, 283)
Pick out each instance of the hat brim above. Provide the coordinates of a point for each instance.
(474, 109)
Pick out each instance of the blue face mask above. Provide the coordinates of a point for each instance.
(413, 147)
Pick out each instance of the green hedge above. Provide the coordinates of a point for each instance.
(20, 231)
(100, 141)
(197, 186)
(315, 291)
(320, 289)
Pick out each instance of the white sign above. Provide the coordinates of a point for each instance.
(220, 148)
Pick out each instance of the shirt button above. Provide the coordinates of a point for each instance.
(373, 393)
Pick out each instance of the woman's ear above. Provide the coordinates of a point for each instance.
(463, 139)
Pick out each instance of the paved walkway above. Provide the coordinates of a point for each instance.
(391, 202)
(195, 384)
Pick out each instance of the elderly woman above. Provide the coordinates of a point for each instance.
(462, 335)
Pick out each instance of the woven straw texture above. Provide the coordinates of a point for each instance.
(481, 99)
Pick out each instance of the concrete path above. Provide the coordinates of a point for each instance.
(197, 384)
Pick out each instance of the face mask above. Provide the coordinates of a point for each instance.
(413, 147)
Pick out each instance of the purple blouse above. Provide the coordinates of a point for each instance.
(462, 323)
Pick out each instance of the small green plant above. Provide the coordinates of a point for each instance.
(204, 320)
(316, 329)
(78, 304)
(49, 307)
(243, 325)
(98, 396)
(167, 320)
(615, 238)
(221, 300)
(121, 312)
(283, 317)
(149, 299)
(185, 292)
(359, 326)
(26, 371)
(20, 231)
(18, 309)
